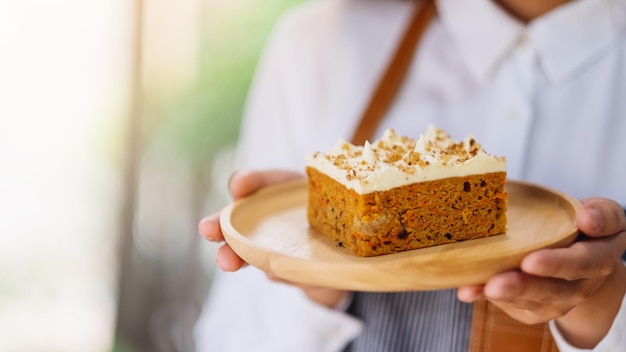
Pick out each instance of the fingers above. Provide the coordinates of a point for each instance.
(603, 220)
(240, 184)
(553, 283)
(227, 260)
(209, 228)
(243, 183)
(583, 259)
(526, 298)
(517, 287)
(470, 294)
(532, 299)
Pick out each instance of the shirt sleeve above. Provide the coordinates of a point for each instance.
(615, 339)
(244, 310)
(269, 126)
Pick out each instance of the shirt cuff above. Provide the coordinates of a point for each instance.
(615, 339)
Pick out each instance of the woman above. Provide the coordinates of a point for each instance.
(539, 82)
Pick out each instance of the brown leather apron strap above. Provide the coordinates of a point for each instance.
(492, 329)
(394, 75)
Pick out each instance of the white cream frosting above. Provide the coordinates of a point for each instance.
(395, 161)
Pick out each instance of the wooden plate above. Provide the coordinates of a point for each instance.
(269, 230)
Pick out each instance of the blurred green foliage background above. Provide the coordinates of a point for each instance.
(190, 116)
(207, 115)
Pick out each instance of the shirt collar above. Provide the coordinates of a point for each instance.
(565, 40)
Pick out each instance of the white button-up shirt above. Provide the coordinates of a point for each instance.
(550, 96)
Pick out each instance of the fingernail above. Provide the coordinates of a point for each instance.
(595, 218)
(230, 179)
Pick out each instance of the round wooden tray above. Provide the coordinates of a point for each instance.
(269, 230)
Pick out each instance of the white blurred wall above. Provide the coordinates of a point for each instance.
(64, 78)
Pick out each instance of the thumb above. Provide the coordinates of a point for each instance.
(242, 183)
(600, 217)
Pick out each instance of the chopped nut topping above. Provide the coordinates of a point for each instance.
(403, 153)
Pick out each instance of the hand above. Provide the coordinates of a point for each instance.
(581, 286)
(242, 184)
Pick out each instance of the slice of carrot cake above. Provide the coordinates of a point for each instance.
(398, 193)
